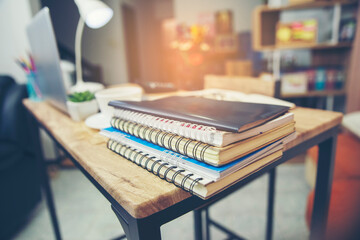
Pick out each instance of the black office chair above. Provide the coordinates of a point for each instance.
(19, 181)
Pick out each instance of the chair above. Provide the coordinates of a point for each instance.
(344, 210)
(19, 183)
(243, 84)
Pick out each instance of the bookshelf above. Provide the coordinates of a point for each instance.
(316, 94)
(314, 46)
(330, 52)
(265, 19)
(308, 5)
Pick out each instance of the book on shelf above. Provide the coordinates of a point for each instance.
(120, 139)
(194, 183)
(203, 113)
(201, 151)
(216, 138)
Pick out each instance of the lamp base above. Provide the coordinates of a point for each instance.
(86, 86)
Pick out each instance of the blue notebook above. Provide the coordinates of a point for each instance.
(205, 170)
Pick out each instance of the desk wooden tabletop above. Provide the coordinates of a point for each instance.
(141, 193)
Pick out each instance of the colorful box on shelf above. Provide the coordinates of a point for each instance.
(312, 79)
(295, 33)
(294, 83)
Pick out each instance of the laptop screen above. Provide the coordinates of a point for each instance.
(45, 53)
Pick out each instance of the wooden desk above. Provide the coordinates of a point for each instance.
(142, 201)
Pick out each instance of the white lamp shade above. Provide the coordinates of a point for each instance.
(94, 12)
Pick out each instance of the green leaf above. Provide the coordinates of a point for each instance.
(81, 96)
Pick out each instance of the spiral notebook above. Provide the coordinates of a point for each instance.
(121, 139)
(197, 132)
(193, 183)
(221, 115)
(204, 152)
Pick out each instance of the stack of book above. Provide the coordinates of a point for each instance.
(201, 145)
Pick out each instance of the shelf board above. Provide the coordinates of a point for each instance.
(315, 94)
(317, 4)
(308, 46)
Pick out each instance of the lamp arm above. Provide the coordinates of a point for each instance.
(80, 85)
(78, 37)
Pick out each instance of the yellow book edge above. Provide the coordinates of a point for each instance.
(211, 189)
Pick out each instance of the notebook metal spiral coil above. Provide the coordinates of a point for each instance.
(197, 132)
(173, 159)
(147, 133)
(166, 172)
(168, 156)
(132, 155)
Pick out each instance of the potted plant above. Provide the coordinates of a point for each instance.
(81, 105)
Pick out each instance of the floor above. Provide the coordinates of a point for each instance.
(85, 214)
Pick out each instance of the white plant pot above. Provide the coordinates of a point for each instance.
(81, 110)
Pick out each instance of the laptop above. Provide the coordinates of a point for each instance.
(43, 45)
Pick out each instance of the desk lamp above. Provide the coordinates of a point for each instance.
(95, 14)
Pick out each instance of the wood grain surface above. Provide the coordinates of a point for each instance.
(138, 191)
(311, 122)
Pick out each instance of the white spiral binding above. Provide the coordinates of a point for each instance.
(193, 131)
(170, 157)
(120, 138)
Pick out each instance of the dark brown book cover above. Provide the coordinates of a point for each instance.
(223, 115)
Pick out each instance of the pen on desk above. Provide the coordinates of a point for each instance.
(36, 88)
(23, 66)
(26, 63)
(33, 69)
(29, 71)
(32, 62)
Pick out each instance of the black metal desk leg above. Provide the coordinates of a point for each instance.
(137, 229)
(44, 176)
(198, 224)
(270, 207)
(207, 223)
(323, 187)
